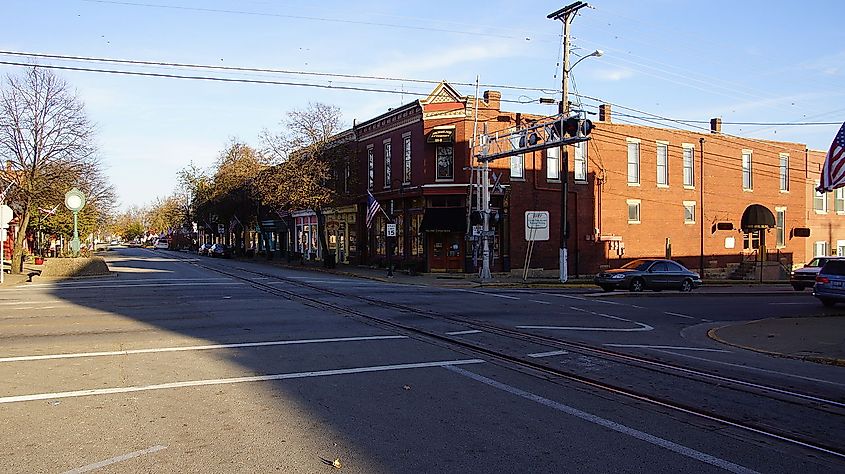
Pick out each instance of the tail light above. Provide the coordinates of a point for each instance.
(821, 279)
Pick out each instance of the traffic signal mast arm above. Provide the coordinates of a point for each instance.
(536, 137)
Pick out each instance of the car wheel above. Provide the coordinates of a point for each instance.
(827, 302)
(637, 284)
(686, 285)
(798, 287)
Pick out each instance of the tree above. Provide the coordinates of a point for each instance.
(313, 154)
(47, 142)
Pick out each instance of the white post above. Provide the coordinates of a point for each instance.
(485, 220)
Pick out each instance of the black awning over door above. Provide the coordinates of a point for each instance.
(444, 219)
(757, 217)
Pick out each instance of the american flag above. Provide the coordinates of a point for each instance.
(372, 208)
(833, 172)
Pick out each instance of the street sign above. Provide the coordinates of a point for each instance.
(221, 228)
(391, 230)
(476, 230)
(536, 225)
(6, 215)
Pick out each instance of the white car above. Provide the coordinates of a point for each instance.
(161, 244)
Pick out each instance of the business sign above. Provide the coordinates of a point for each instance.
(536, 225)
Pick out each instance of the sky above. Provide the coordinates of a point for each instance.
(767, 62)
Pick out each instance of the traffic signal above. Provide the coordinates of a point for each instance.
(573, 127)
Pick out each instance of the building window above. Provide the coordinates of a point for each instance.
(416, 235)
(445, 162)
(633, 211)
(553, 164)
(751, 240)
(747, 182)
(662, 164)
(580, 170)
(387, 178)
(780, 226)
(840, 247)
(347, 173)
(820, 248)
(839, 200)
(784, 172)
(406, 175)
(689, 212)
(370, 168)
(689, 165)
(517, 161)
(819, 201)
(633, 161)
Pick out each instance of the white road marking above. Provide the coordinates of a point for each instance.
(460, 333)
(490, 294)
(116, 459)
(540, 302)
(254, 378)
(195, 348)
(678, 315)
(645, 346)
(547, 354)
(618, 427)
(586, 299)
(640, 326)
(801, 302)
(97, 287)
(136, 280)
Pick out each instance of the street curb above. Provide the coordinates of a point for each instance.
(817, 359)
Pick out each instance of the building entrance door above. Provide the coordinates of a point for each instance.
(446, 252)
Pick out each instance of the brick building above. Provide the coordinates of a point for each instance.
(709, 200)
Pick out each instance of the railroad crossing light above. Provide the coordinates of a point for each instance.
(531, 141)
(573, 127)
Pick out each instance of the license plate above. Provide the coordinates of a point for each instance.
(837, 283)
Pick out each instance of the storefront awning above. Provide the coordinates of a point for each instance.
(444, 219)
(757, 217)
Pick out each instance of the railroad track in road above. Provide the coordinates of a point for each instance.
(756, 410)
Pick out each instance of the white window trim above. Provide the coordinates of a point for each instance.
(388, 180)
(694, 210)
(371, 167)
(637, 203)
(684, 147)
(407, 136)
(657, 145)
(784, 191)
(586, 162)
(816, 246)
(639, 180)
(779, 209)
(823, 210)
(553, 179)
(750, 153)
(842, 192)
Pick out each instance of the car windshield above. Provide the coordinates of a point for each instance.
(816, 262)
(637, 265)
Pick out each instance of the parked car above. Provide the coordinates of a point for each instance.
(163, 244)
(203, 250)
(220, 250)
(653, 274)
(830, 282)
(805, 277)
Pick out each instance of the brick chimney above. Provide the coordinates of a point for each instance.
(493, 99)
(604, 113)
(715, 125)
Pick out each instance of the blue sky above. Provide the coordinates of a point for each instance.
(749, 61)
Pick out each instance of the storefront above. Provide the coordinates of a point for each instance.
(445, 230)
(305, 235)
(342, 233)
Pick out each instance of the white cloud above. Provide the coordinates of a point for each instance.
(611, 74)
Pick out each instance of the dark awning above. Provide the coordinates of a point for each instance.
(444, 219)
(757, 217)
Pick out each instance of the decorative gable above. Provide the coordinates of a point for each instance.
(443, 93)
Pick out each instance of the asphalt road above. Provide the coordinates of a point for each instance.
(197, 365)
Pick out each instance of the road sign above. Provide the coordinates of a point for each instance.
(536, 225)
(476, 230)
(391, 230)
(6, 215)
(221, 229)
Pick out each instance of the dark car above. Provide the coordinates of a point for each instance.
(653, 274)
(805, 277)
(830, 282)
(220, 250)
(203, 250)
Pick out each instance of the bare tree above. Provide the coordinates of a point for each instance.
(47, 143)
(313, 154)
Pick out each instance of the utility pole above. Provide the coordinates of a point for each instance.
(565, 15)
(485, 211)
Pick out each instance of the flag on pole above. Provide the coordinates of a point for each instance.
(833, 171)
(372, 208)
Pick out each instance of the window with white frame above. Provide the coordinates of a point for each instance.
(783, 171)
(840, 247)
(689, 165)
(370, 167)
(839, 200)
(751, 240)
(406, 159)
(689, 212)
(780, 226)
(747, 177)
(517, 161)
(387, 153)
(580, 162)
(633, 161)
(662, 164)
(820, 248)
(819, 201)
(633, 211)
(553, 164)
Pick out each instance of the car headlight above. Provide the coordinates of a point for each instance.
(617, 276)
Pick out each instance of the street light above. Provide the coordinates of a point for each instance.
(75, 201)
(597, 53)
